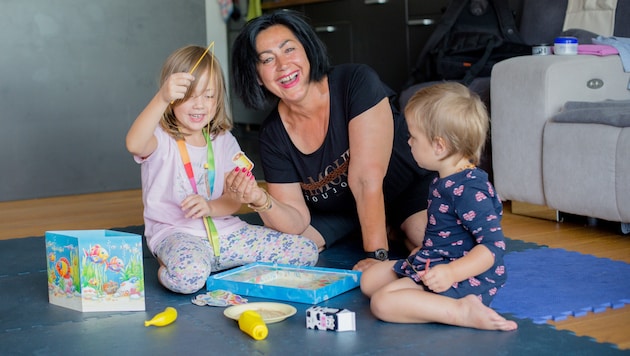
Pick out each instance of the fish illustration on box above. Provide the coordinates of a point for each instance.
(95, 270)
(63, 267)
(97, 254)
(115, 264)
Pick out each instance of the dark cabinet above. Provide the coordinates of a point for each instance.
(364, 31)
(381, 38)
(384, 34)
(240, 113)
(331, 20)
(422, 17)
(338, 40)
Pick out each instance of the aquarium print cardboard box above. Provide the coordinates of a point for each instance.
(95, 270)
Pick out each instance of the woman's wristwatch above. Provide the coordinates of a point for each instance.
(381, 254)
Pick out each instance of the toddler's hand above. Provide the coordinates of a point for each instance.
(195, 206)
(438, 278)
(176, 86)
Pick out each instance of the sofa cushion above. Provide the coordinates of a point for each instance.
(607, 112)
(580, 169)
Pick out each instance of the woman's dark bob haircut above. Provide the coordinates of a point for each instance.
(245, 57)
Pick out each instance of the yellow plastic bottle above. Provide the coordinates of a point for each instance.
(252, 324)
(163, 318)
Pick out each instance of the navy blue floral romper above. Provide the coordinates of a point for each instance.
(464, 210)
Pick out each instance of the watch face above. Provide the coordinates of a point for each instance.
(381, 254)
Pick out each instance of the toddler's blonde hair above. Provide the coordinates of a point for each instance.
(453, 112)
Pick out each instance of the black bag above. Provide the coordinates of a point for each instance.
(471, 36)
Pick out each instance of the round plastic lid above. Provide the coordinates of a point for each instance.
(565, 40)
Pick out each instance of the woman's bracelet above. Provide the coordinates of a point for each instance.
(266, 205)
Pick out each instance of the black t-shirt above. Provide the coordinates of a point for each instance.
(323, 174)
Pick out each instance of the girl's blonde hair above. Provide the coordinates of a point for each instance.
(452, 112)
(183, 60)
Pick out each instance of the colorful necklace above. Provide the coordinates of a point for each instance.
(211, 230)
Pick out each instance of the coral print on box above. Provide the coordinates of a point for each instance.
(95, 270)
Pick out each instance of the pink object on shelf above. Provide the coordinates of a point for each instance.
(596, 49)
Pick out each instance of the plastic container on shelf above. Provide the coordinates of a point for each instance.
(565, 45)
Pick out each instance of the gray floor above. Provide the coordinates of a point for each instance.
(29, 325)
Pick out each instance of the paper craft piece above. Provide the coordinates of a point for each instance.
(242, 161)
(310, 285)
(321, 318)
(218, 298)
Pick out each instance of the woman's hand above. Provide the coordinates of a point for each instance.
(365, 263)
(241, 185)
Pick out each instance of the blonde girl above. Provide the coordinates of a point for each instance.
(183, 143)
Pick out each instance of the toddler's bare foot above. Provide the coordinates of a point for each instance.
(477, 315)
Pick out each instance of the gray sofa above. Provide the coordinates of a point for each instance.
(560, 131)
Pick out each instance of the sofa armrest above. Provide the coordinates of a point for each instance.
(525, 93)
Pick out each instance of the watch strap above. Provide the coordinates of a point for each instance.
(380, 254)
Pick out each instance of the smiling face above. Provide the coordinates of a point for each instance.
(196, 112)
(283, 66)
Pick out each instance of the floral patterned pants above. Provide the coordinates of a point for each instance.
(187, 260)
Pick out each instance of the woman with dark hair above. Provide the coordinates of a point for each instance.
(333, 149)
(244, 57)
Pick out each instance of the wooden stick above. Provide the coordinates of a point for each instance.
(211, 45)
(200, 58)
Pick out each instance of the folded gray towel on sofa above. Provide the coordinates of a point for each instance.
(608, 112)
(571, 105)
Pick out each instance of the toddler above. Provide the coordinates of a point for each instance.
(454, 275)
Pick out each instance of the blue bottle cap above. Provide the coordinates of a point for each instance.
(565, 40)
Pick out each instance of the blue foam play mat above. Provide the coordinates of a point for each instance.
(551, 284)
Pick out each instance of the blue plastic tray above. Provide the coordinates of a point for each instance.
(308, 285)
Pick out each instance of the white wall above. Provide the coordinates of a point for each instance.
(216, 30)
